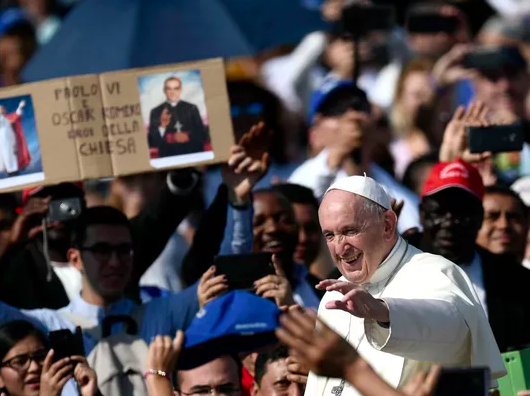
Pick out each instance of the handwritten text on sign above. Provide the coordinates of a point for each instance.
(118, 122)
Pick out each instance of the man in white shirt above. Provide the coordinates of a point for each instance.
(343, 109)
(402, 309)
(452, 213)
(102, 251)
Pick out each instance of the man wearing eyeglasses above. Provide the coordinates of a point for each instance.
(220, 377)
(102, 250)
(451, 214)
(176, 126)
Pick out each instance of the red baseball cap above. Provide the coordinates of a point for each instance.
(457, 174)
(29, 192)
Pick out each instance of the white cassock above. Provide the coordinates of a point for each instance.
(8, 146)
(435, 317)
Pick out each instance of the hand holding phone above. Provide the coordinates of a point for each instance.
(495, 138)
(242, 270)
(469, 381)
(276, 287)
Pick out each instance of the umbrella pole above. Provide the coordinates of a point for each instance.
(356, 156)
(355, 70)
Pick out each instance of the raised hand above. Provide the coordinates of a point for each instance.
(449, 70)
(54, 376)
(322, 350)
(164, 352)
(210, 286)
(349, 138)
(24, 226)
(248, 163)
(275, 286)
(356, 300)
(327, 354)
(454, 143)
(85, 376)
(298, 371)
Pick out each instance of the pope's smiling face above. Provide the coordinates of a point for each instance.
(358, 239)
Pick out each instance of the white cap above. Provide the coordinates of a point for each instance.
(365, 187)
(522, 187)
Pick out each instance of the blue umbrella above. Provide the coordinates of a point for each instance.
(268, 23)
(107, 35)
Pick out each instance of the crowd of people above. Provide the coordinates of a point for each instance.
(398, 251)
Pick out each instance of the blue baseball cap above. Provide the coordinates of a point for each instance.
(236, 322)
(12, 17)
(332, 85)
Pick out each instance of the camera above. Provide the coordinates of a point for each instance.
(62, 210)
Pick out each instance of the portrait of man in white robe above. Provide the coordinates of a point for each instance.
(14, 153)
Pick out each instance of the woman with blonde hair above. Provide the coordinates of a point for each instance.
(414, 93)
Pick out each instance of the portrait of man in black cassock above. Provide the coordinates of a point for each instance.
(176, 126)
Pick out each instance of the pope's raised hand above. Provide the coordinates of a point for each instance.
(356, 300)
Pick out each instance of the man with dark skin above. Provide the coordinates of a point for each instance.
(309, 248)
(276, 231)
(451, 215)
(305, 207)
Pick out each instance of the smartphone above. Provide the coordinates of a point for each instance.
(431, 23)
(65, 209)
(492, 58)
(470, 381)
(65, 343)
(359, 19)
(242, 270)
(496, 138)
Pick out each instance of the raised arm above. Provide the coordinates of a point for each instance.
(327, 354)
(207, 239)
(226, 227)
(423, 329)
(157, 222)
(248, 164)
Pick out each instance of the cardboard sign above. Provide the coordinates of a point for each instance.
(114, 124)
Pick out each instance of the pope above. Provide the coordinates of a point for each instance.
(402, 309)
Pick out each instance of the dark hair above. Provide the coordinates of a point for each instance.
(276, 192)
(506, 191)
(8, 205)
(13, 332)
(97, 215)
(296, 193)
(411, 175)
(28, 41)
(270, 356)
(173, 78)
(342, 99)
(234, 358)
